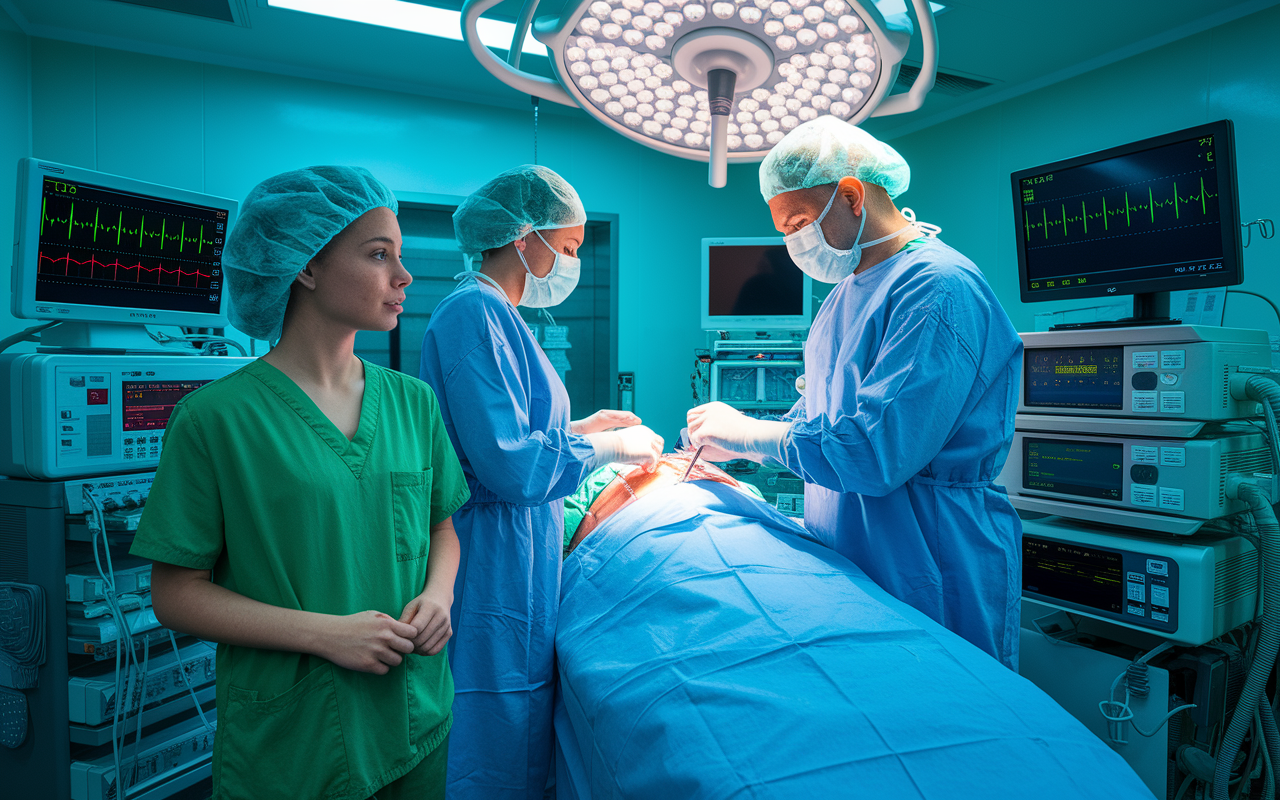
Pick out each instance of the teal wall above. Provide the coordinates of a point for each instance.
(15, 143)
(220, 130)
(960, 169)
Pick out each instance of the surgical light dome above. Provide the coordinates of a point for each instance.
(716, 80)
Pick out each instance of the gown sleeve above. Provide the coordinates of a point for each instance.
(904, 410)
(490, 402)
(448, 484)
(182, 523)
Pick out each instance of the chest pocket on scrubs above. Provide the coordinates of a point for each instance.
(411, 513)
(262, 754)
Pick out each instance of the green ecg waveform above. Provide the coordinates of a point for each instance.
(1069, 222)
(115, 231)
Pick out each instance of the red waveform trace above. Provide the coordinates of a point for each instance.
(116, 267)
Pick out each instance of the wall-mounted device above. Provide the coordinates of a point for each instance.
(1187, 591)
(77, 415)
(751, 284)
(626, 391)
(1162, 372)
(104, 255)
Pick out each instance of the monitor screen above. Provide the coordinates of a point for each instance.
(104, 247)
(1074, 377)
(1090, 576)
(101, 248)
(1076, 467)
(1153, 216)
(753, 283)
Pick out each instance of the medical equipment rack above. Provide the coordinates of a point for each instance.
(42, 527)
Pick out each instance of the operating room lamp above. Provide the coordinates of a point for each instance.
(716, 80)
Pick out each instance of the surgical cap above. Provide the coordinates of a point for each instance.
(527, 198)
(284, 222)
(826, 149)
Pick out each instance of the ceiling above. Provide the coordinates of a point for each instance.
(1016, 46)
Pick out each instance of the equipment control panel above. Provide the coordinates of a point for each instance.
(1189, 592)
(1161, 372)
(1182, 477)
(77, 415)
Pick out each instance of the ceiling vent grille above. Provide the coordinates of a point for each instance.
(945, 84)
(220, 10)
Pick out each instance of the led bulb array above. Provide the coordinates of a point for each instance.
(619, 58)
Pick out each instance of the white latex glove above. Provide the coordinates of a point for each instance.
(603, 420)
(727, 433)
(634, 445)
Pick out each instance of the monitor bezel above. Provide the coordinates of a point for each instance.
(26, 249)
(752, 322)
(1229, 211)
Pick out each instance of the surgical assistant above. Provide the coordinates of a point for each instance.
(507, 414)
(300, 513)
(911, 371)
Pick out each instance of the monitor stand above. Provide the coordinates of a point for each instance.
(102, 338)
(1149, 308)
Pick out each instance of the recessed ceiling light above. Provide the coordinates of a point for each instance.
(413, 17)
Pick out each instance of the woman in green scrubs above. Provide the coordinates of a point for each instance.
(300, 515)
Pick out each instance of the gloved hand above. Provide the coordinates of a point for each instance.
(603, 420)
(634, 445)
(727, 434)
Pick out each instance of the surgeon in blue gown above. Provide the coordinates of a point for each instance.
(507, 414)
(911, 383)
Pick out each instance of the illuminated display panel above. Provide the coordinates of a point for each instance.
(1089, 576)
(104, 247)
(1080, 468)
(1074, 377)
(148, 404)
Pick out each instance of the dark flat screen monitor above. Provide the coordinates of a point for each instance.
(752, 284)
(1158, 215)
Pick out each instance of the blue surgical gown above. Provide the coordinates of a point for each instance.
(911, 385)
(507, 414)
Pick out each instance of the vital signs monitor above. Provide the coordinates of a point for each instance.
(99, 248)
(1157, 215)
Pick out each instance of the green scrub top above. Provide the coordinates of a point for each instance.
(257, 485)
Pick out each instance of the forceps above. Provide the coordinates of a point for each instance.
(692, 461)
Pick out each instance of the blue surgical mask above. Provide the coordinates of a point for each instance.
(822, 262)
(557, 285)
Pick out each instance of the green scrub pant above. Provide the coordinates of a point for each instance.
(423, 782)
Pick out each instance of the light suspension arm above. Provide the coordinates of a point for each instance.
(720, 85)
(914, 97)
(522, 30)
(517, 79)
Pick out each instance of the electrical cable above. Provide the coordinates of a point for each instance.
(1268, 643)
(1136, 684)
(1264, 298)
(1182, 790)
(197, 338)
(124, 641)
(182, 670)
(124, 635)
(1266, 229)
(141, 699)
(22, 336)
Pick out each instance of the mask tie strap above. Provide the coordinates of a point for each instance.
(927, 228)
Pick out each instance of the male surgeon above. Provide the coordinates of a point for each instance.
(911, 371)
